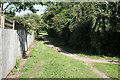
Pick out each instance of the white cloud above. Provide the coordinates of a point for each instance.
(23, 12)
(39, 7)
(40, 12)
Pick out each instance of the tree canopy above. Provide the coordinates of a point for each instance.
(17, 7)
(88, 27)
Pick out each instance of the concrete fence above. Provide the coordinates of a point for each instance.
(13, 44)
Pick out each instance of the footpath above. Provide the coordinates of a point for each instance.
(88, 61)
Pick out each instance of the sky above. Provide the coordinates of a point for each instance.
(39, 7)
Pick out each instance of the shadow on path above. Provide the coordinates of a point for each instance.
(76, 56)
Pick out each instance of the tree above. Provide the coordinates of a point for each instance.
(18, 6)
(88, 27)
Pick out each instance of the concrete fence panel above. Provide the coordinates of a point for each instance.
(13, 44)
(9, 49)
(0, 53)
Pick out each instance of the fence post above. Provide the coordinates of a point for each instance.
(0, 21)
(13, 24)
(3, 21)
(0, 9)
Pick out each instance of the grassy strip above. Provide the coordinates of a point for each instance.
(63, 46)
(16, 68)
(45, 62)
(110, 70)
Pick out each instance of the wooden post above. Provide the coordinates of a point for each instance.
(0, 21)
(0, 15)
(3, 21)
(13, 24)
(0, 10)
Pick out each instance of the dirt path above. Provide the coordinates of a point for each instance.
(88, 61)
(101, 74)
(85, 59)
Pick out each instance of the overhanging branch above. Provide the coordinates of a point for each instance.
(7, 6)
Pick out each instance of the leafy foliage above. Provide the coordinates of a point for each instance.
(88, 27)
(17, 7)
(29, 22)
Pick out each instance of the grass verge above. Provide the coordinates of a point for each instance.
(44, 62)
(16, 68)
